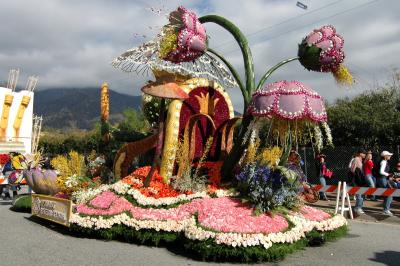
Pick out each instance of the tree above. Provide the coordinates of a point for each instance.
(134, 120)
(370, 119)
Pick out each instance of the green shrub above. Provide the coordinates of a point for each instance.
(22, 204)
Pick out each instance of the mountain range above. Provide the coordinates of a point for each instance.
(66, 108)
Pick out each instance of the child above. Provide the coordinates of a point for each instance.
(394, 180)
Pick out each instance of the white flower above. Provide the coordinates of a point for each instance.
(146, 201)
(219, 193)
(72, 181)
(318, 138)
(121, 187)
(328, 134)
(85, 195)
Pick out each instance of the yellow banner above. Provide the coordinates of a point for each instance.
(54, 209)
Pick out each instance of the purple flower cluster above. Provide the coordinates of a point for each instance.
(266, 188)
(254, 173)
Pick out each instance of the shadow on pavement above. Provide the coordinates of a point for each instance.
(373, 210)
(5, 203)
(377, 216)
(351, 236)
(389, 257)
(45, 223)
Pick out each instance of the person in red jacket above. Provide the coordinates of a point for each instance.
(367, 169)
(322, 172)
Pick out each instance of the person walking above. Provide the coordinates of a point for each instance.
(357, 179)
(368, 170)
(383, 180)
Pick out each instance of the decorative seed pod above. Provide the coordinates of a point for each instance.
(322, 50)
(104, 102)
(42, 182)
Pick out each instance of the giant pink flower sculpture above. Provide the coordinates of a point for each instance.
(180, 49)
(322, 50)
(290, 100)
(184, 38)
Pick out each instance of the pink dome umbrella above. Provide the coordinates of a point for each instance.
(294, 109)
(288, 100)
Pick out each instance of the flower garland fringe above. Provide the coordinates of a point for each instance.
(206, 250)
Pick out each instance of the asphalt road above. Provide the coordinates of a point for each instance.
(26, 241)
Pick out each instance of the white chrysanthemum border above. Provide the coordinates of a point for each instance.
(194, 232)
(97, 223)
(85, 195)
(121, 188)
(301, 227)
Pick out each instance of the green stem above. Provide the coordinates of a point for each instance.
(244, 47)
(227, 169)
(271, 70)
(160, 143)
(230, 67)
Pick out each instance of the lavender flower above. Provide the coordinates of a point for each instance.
(266, 188)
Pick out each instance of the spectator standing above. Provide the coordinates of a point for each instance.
(368, 170)
(322, 172)
(357, 178)
(351, 161)
(383, 180)
(395, 180)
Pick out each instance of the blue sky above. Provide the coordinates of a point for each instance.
(71, 43)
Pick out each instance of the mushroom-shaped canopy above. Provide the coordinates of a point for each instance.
(290, 100)
(168, 90)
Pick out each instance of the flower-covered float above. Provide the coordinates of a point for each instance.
(222, 187)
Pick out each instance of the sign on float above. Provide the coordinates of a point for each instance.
(50, 208)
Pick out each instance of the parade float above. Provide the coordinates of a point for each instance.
(223, 188)
(16, 121)
(19, 131)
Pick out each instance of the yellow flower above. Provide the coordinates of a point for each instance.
(76, 163)
(251, 153)
(342, 76)
(271, 156)
(169, 42)
(67, 167)
(60, 163)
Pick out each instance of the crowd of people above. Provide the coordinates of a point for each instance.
(364, 171)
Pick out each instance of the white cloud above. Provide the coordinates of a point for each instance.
(70, 43)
